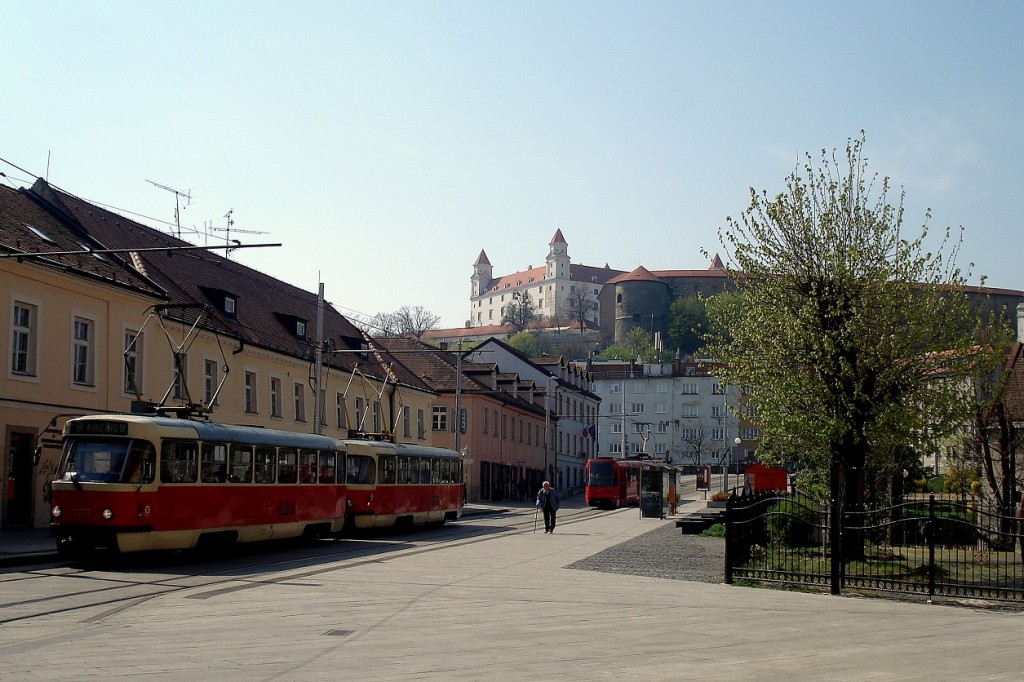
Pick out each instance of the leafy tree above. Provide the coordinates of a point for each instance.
(519, 312)
(687, 323)
(525, 343)
(843, 325)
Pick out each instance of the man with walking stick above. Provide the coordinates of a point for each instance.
(547, 501)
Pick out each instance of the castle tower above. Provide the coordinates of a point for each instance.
(558, 258)
(482, 275)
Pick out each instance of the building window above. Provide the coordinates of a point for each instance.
(750, 434)
(689, 411)
(614, 408)
(406, 423)
(82, 352)
(275, 397)
(180, 375)
(615, 448)
(688, 435)
(616, 427)
(24, 338)
(639, 387)
(133, 362)
(690, 388)
(376, 417)
(485, 419)
(718, 389)
(659, 408)
(440, 420)
(717, 434)
(250, 392)
(209, 381)
(661, 387)
(615, 388)
(662, 427)
(300, 328)
(421, 431)
(359, 414)
(339, 411)
(660, 448)
(300, 402)
(717, 411)
(229, 305)
(638, 408)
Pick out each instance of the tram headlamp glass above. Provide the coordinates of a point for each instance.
(108, 514)
(56, 511)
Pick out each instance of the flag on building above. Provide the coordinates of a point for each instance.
(589, 431)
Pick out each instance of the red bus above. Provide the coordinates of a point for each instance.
(612, 483)
(139, 482)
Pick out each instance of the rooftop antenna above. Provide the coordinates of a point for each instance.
(228, 241)
(177, 202)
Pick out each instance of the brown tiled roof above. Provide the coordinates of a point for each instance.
(641, 274)
(266, 308)
(26, 227)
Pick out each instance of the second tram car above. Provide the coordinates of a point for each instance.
(138, 482)
(612, 483)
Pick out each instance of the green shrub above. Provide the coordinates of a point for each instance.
(936, 484)
(791, 524)
(715, 531)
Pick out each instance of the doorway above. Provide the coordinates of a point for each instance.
(18, 486)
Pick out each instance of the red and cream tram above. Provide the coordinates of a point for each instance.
(612, 482)
(135, 483)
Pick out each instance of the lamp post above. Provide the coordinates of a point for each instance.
(737, 441)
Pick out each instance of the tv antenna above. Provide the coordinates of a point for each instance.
(228, 241)
(178, 194)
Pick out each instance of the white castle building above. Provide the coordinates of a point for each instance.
(550, 287)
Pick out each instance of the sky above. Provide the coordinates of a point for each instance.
(384, 144)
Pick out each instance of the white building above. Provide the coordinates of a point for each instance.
(676, 411)
(550, 288)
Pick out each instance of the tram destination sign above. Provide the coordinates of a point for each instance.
(97, 428)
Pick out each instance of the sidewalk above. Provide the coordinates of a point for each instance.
(26, 546)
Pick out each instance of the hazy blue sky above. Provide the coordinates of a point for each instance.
(384, 144)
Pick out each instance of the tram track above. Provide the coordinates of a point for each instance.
(334, 555)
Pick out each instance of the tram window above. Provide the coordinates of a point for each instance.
(456, 472)
(214, 463)
(327, 467)
(446, 471)
(139, 466)
(307, 466)
(361, 470)
(178, 461)
(387, 469)
(435, 471)
(403, 470)
(266, 464)
(240, 465)
(424, 469)
(286, 461)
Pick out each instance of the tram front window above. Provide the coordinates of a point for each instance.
(361, 470)
(113, 460)
(602, 473)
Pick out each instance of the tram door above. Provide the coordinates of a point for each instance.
(18, 485)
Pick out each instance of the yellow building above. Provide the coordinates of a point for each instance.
(107, 315)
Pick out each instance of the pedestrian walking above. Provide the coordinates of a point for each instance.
(547, 502)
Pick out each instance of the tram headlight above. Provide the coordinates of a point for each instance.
(56, 511)
(108, 514)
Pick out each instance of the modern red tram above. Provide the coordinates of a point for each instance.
(611, 482)
(136, 482)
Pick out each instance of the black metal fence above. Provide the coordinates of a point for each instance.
(923, 545)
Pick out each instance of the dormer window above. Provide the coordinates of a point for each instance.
(229, 305)
(225, 301)
(300, 328)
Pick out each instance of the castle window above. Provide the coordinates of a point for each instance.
(618, 298)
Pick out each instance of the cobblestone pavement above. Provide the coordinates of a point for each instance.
(662, 553)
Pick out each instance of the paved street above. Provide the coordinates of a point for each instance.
(501, 605)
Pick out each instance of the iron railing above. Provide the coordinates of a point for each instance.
(932, 546)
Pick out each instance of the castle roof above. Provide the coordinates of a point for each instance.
(481, 259)
(558, 238)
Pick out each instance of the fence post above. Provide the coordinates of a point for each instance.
(929, 533)
(729, 531)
